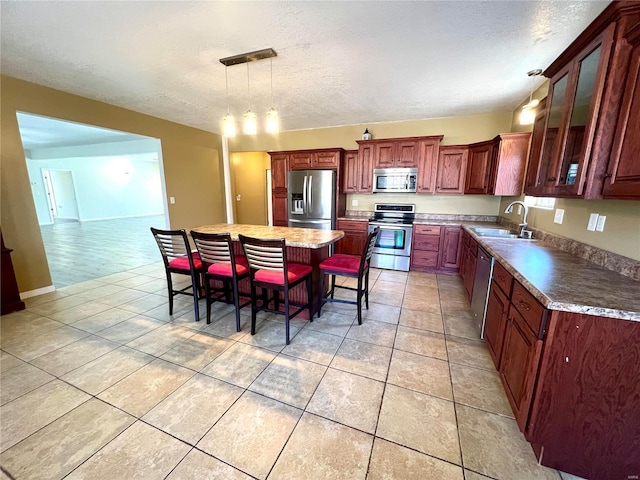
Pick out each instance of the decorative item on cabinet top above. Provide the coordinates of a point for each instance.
(592, 112)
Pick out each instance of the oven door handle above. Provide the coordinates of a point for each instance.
(389, 227)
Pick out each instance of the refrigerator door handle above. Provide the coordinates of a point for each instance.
(310, 197)
(304, 195)
(317, 222)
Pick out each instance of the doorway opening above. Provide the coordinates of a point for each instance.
(96, 192)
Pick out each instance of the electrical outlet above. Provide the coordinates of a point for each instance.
(172, 200)
(559, 216)
(600, 223)
(593, 220)
(354, 203)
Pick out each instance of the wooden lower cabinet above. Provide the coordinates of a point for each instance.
(572, 380)
(519, 365)
(436, 248)
(585, 413)
(469, 256)
(355, 236)
(450, 249)
(496, 322)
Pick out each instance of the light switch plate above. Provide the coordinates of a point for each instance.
(519, 207)
(172, 200)
(354, 203)
(600, 223)
(559, 215)
(593, 220)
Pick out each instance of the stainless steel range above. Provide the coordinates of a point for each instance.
(393, 247)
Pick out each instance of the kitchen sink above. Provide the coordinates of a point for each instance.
(495, 232)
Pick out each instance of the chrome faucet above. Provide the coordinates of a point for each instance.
(524, 233)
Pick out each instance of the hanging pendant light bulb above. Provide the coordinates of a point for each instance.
(228, 122)
(528, 113)
(273, 120)
(250, 124)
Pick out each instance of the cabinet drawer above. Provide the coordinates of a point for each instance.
(531, 310)
(429, 243)
(502, 278)
(352, 225)
(426, 229)
(424, 259)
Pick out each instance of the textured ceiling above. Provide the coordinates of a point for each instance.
(339, 63)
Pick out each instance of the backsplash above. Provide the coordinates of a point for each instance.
(611, 261)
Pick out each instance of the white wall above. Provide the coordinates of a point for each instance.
(110, 183)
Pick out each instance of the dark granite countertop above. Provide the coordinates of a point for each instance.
(563, 281)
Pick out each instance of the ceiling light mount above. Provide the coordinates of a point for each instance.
(249, 57)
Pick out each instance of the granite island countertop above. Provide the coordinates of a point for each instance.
(294, 237)
(562, 281)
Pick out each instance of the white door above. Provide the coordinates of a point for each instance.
(64, 194)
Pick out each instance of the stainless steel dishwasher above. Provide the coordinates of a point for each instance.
(481, 284)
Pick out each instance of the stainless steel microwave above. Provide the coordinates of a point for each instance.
(395, 180)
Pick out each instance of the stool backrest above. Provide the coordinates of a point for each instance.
(265, 254)
(367, 251)
(173, 244)
(214, 247)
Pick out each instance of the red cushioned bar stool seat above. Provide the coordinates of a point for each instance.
(351, 266)
(179, 259)
(269, 271)
(215, 250)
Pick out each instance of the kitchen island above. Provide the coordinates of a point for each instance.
(304, 245)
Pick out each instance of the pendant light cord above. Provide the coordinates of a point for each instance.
(271, 64)
(248, 86)
(226, 81)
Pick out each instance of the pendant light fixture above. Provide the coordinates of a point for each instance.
(249, 125)
(228, 122)
(528, 113)
(273, 121)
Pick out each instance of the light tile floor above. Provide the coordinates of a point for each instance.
(100, 382)
(82, 251)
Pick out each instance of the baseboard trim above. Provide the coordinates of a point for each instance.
(37, 291)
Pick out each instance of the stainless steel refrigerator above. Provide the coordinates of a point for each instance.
(312, 199)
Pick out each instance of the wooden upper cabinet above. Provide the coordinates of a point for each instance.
(325, 159)
(350, 172)
(590, 108)
(384, 155)
(365, 165)
(452, 166)
(279, 169)
(407, 154)
(314, 159)
(497, 167)
(300, 161)
(428, 164)
(479, 167)
(623, 175)
(532, 179)
(394, 153)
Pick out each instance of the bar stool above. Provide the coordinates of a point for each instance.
(221, 263)
(269, 270)
(178, 258)
(352, 266)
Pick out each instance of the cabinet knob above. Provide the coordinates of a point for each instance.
(524, 305)
(608, 175)
(551, 179)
